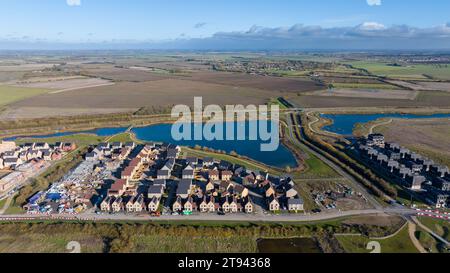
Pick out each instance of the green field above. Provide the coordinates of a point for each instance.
(79, 139)
(400, 243)
(316, 168)
(427, 241)
(410, 71)
(441, 227)
(10, 94)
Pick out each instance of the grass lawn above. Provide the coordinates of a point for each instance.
(124, 137)
(426, 240)
(48, 243)
(316, 168)
(10, 94)
(2, 203)
(441, 227)
(79, 139)
(400, 243)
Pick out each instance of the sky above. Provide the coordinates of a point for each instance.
(225, 24)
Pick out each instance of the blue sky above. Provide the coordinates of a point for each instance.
(132, 21)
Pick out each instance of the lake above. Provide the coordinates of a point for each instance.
(344, 124)
(281, 158)
(290, 245)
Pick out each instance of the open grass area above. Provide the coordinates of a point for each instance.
(124, 137)
(400, 243)
(10, 94)
(316, 168)
(79, 139)
(441, 227)
(48, 243)
(427, 241)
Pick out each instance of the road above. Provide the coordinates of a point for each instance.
(214, 217)
(355, 184)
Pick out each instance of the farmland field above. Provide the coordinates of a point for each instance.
(123, 97)
(424, 99)
(368, 93)
(441, 71)
(10, 94)
(65, 84)
(260, 82)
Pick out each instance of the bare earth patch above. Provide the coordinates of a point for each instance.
(368, 93)
(67, 84)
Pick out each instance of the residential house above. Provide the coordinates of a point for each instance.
(208, 162)
(163, 174)
(295, 204)
(117, 205)
(210, 186)
(227, 175)
(139, 204)
(249, 207)
(190, 205)
(160, 182)
(155, 191)
(226, 205)
(188, 173)
(153, 206)
(241, 191)
(213, 175)
(184, 188)
(274, 204)
(118, 188)
(235, 206)
(177, 205)
(106, 204)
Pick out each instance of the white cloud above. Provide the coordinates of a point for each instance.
(73, 2)
(374, 2)
(371, 26)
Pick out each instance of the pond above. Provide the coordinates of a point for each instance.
(344, 124)
(288, 245)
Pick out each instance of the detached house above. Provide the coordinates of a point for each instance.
(274, 204)
(249, 207)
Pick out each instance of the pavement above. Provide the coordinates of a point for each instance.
(260, 217)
